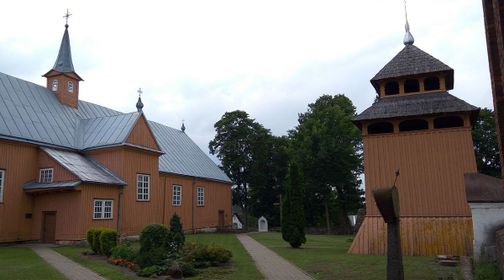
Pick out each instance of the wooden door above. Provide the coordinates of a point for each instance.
(49, 227)
(221, 219)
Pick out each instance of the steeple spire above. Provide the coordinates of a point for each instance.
(408, 38)
(63, 62)
(139, 104)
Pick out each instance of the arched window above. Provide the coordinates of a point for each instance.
(54, 85)
(70, 86)
(380, 127)
(392, 88)
(415, 124)
(431, 83)
(450, 121)
(411, 86)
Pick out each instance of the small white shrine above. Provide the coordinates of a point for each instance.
(262, 224)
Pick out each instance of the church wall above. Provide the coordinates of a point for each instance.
(60, 173)
(19, 161)
(217, 196)
(90, 192)
(141, 135)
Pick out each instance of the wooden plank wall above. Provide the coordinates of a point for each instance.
(420, 236)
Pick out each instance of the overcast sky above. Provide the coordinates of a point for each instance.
(196, 60)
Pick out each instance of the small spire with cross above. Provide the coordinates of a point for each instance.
(408, 38)
(66, 16)
(139, 104)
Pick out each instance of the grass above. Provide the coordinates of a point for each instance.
(23, 263)
(242, 266)
(101, 267)
(325, 257)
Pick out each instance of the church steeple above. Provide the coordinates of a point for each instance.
(62, 78)
(408, 38)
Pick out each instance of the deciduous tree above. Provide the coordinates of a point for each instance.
(485, 144)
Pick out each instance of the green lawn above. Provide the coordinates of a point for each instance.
(103, 268)
(242, 266)
(325, 257)
(23, 264)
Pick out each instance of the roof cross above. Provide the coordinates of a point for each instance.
(139, 92)
(66, 16)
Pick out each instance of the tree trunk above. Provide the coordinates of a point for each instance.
(328, 220)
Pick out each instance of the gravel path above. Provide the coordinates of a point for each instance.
(271, 265)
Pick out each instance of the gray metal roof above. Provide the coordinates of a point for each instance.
(32, 113)
(483, 188)
(182, 156)
(412, 61)
(416, 105)
(64, 63)
(52, 186)
(86, 169)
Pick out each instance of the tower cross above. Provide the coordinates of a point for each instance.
(139, 92)
(66, 16)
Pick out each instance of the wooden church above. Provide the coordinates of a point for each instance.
(67, 165)
(416, 126)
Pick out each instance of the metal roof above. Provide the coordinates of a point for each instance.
(416, 105)
(64, 63)
(182, 156)
(412, 61)
(86, 169)
(31, 113)
(52, 186)
(483, 188)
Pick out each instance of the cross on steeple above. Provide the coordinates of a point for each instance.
(139, 92)
(66, 16)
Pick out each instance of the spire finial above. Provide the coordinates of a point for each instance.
(139, 104)
(66, 16)
(408, 38)
(182, 127)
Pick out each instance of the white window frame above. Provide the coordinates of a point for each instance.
(46, 175)
(143, 187)
(2, 184)
(70, 86)
(54, 86)
(102, 211)
(200, 196)
(177, 195)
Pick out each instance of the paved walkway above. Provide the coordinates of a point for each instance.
(69, 268)
(271, 265)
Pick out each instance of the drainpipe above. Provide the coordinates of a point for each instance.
(119, 199)
(192, 205)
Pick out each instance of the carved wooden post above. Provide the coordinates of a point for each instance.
(387, 201)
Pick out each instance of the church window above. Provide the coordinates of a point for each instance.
(411, 86)
(200, 196)
(447, 122)
(54, 85)
(415, 124)
(431, 83)
(103, 209)
(46, 175)
(143, 187)
(392, 88)
(70, 86)
(177, 195)
(380, 127)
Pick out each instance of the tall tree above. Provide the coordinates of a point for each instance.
(293, 225)
(235, 145)
(485, 144)
(329, 149)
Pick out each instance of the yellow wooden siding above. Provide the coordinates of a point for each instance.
(142, 135)
(420, 236)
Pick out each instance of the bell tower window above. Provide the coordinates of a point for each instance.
(411, 86)
(54, 86)
(70, 86)
(392, 88)
(431, 83)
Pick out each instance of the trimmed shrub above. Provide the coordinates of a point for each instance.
(108, 240)
(203, 255)
(153, 245)
(176, 236)
(93, 238)
(90, 237)
(124, 251)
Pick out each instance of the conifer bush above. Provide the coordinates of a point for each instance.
(293, 223)
(176, 236)
(153, 245)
